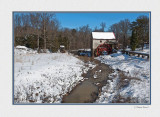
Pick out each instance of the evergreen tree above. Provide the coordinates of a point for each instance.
(134, 41)
(31, 41)
(141, 29)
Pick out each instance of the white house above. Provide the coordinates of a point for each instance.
(103, 37)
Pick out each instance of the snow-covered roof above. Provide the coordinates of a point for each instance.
(84, 49)
(62, 46)
(87, 49)
(21, 47)
(103, 35)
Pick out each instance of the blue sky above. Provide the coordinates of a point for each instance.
(75, 20)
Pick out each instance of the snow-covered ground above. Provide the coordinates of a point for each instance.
(139, 50)
(136, 77)
(45, 77)
(142, 51)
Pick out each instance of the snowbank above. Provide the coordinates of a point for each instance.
(133, 66)
(21, 47)
(110, 90)
(45, 78)
(22, 50)
(137, 69)
(139, 50)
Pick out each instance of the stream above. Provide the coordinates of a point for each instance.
(88, 90)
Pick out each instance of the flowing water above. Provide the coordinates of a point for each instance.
(88, 90)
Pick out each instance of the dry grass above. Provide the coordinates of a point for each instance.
(20, 60)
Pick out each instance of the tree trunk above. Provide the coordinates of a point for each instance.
(38, 43)
(44, 37)
(124, 42)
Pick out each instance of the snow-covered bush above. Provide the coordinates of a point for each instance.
(45, 78)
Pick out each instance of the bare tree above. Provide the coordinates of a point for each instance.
(35, 22)
(116, 29)
(85, 36)
(45, 19)
(103, 25)
(124, 28)
(17, 25)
